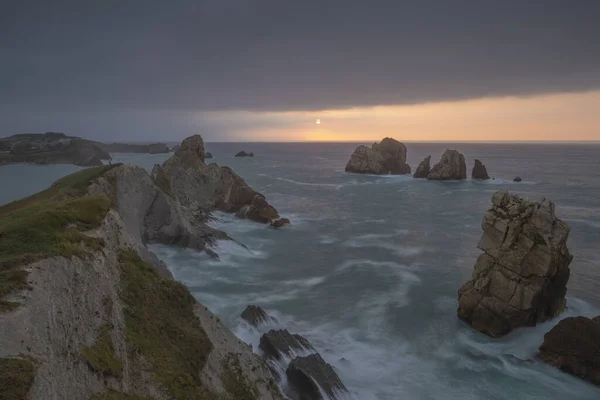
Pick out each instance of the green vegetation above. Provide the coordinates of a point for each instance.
(114, 395)
(49, 223)
(101, 355)
(162, 328)
(16, 378)
(234, 382)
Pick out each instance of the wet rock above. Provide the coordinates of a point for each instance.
(517, 179)
(573, 346)
(520, 279)
(423, 168)
(451, 167)
(280, 222)
(244, 154)
(479, 171)
(386, 157)
(277, 342)
(307, 374)
(208, 155)
(259, 210)
(256, 316)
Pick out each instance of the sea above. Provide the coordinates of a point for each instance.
(369, 269)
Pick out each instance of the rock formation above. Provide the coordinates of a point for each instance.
(276, 343)
(387, 157)
(205, 188)
(90, 312)
(423, 168)
(521, 277)
(517, 179)
(451, 167)
(256, 316)
(280, 222)
(208, 155)
(307, 374)
(573, 346)
(479, 171)
(244, 154)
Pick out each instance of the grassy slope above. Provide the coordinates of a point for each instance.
(16, 377)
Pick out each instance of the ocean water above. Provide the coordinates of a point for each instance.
(370, 267)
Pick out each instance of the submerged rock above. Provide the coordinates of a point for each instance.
(280, 222)
(521, 277)
(423, 168)
(517, 179)
(479, 171)
(277, 342)
(307, 374)
(451, 167)
(387, 157)
(256, 316)
(573, 346)
(244, 154)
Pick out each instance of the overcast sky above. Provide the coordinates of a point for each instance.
(230, 69)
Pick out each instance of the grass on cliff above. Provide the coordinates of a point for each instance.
(49, 223)
(16, 378)
(101, 355)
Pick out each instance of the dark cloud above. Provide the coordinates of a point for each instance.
(196, 55)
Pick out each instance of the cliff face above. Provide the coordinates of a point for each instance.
(85, 312)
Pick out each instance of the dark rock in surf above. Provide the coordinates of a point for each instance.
(244, 154)
(256, 316)
(208, 155)
(307, 374)
(387, 157)
(423, 168)
(479, 171)
(517, 179)
(280, 222)
(451, 167)
(277, 342)
(258, 210)
(573, 346)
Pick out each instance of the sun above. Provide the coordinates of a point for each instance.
(318, 121)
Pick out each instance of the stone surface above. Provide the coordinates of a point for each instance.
(208, 155)
(256, 316)
(517, 179)
(423, 168)
(451, 167)
(386, 157)
(307, 374)
(573, 346)
(258, 210)
(277, 342)
(479, 171)
(520, 279)
(280, 222)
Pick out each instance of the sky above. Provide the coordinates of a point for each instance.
(266, 70)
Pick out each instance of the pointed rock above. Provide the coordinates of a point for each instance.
(423, 168)
(479, 171)
(277, 342)
(256, 316)
(451, 167)
(307, 374)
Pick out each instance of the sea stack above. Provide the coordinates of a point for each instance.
(423, 169)
(520, 279)
(451, 167)
(479, 171)
(386, 157)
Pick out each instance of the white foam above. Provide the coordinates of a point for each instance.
(309, 282)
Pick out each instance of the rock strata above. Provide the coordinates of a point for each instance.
(451, 167)
(520, 279)
(386, 157)
(573, 346)
(277, 342)
(256, 316)
(479, 171)
(423, 168)
(311, 374)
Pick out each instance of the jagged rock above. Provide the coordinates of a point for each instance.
(573, 346)
(258, 210)
(479, 171)
(517, 179)
(256, 316)
(244, 154)
(277, 342)
(387, 157)
(206, 188)
(208, 155)
(278, 223)
(423, 168)
(451, 167)
(251, 155)
(521, 277)
(307, 374)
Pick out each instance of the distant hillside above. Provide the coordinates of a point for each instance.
(153, 148)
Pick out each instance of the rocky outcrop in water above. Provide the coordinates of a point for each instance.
(573, 346)
(244, 154)
(386, 157)
(276, 343)
(520, 279)
(307, 374)
(208, 155)
(517, 179)
(423, 168)
(204, 188)
(87, 313)
(451, 167)
(256, 316)
(280, 222)
(479, 171)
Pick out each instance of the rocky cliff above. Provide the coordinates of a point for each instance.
(521, 277)
(87, 312)
(386, 157)
(204, 188)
